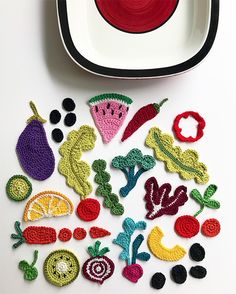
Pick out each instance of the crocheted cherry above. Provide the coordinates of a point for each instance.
(34, 153)
(188, 226)
(211, 227)
(98, 268)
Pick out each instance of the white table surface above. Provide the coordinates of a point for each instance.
(34, 65)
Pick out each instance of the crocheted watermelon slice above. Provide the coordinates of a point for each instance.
(109, 112)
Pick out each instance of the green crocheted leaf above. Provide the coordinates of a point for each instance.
(70, 165)
(197, 196)
(213, 204)
(23, 265)
(103, 251)
(104, 189)
(143, 256)
(185, 163)
(31, 274)
(210, 191)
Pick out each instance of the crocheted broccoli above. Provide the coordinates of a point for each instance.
(127, 165)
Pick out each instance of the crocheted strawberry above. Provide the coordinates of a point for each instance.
(98, 268)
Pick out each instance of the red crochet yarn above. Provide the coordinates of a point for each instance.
(39, 235)
(211, 227)
(79, 233)
(88, 209)
(187, 226)
(200, 127)
(65, 235)
(96, 232)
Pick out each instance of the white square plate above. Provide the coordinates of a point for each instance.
(175, 47)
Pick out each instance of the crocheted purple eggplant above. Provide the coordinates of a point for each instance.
(34, 153)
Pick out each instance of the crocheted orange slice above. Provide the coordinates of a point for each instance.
(47, 204)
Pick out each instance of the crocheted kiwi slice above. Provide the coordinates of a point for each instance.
(61, 267)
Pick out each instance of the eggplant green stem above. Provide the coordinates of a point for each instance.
(36, 115)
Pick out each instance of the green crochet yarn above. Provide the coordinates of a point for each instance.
(61, 267)
(18, 188)
(30, 271)
(104, 189)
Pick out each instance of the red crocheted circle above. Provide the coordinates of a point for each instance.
(96, 232)
(200, 127)
(65, 235)
(79, 233)
(187, 226)
(135, 16)
(211, 227)
(88, 209)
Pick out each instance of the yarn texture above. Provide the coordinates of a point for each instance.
(61, 267)
(185, 163)
(47, 204)
(160, 251)
(104, 189)
(109, 111)
(158, 200)
(71, 166)
(18, 188)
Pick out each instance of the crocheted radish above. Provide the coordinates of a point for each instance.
(188, 226)
(34, 153)
(98, 268)
(133, 271)
(109, 112)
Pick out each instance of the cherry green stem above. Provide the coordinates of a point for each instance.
(199, 211)
(36, 115)
(35, 257)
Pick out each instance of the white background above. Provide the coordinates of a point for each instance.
(34, 65)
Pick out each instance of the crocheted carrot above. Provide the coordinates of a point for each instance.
(143, 115)
(33, 235)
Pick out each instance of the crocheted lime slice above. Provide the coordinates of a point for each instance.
(61, 267)
(18, 188)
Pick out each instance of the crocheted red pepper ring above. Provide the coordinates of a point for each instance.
(200, 127)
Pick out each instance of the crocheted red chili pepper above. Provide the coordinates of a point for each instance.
(143, 115)
(34, 235)
(200, 127)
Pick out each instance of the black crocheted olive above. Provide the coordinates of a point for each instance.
(68, 104)
(57, 135)
(55, 116)
(70, 119)
(179, 274)
(197, 252)
(198, 272)
(158, 281)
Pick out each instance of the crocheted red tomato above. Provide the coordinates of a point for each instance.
(88, 209)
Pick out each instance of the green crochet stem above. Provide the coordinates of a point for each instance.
(159, 105)
(30, 271)
(19, 236)
(205, 200)
(104, 189)
(36, 115)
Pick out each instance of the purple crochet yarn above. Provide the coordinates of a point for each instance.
(34, 153)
